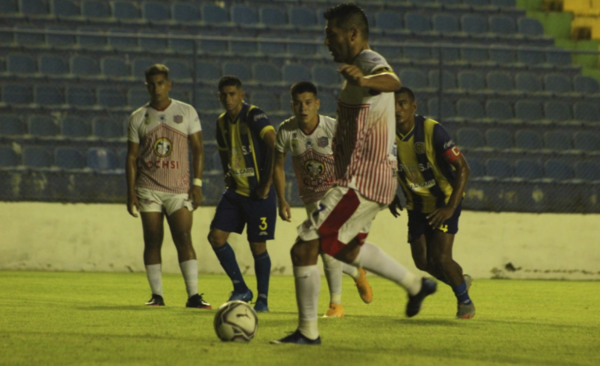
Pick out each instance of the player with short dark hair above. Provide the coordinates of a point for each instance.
(246, 139)
(365, 170)
(433, 175)
(308, 136)
(158, 180)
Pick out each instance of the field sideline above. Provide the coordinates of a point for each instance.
(65, 318)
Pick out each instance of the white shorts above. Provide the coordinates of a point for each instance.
(342, 215)
(155, 201)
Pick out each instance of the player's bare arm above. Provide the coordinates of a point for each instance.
(195, 194)
(438, 216)
(262, 191)
(383, 82)
(279, 182)
(133, 151)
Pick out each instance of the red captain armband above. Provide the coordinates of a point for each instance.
(451, 155)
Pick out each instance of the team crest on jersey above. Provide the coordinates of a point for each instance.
(162, 118)
(323, 141)
(146, 119)
(309, 143)
(178, 119)
(163, 147)
(420, 147)
(314, 168)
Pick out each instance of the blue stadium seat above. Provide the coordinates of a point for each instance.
(54, 65)
(528, 83)
(102, 159)
(477, 168)
(47, 95)
(586, 141)
(178, 70)
(448, 80)
(558, 169)
(328, 103)
(95, 9)
(587, 170)
(65, 9)
(420, 52)
(472, 81)
(122, 157)
(448, 111)
(528, 140)
(208, 71)
(185, 12)
(586, 85)
(126, 11)
(139, 66)
(499, 168)
(120, 42)
(500, 82)
(37, 157)
(214, 14)
(60, 40)
(85, 66)
(267, 101)
(7, 38)
(69, 158)
(414, 78)
(557, 111)
(557, 83)
(18, 63)
(8, 157)
(244, 15)
(499, 138)
(502, 24)
(557, 140)
(111, 97)
(207, 100)
(216, 47)
(448, 26)
(179, 45)
(137, 96)
(529, 111)
(266, 72)
(293, 73)
(16, 94)
(477, 27)
(30, 39)
(272, 16)
(582, 111)
(155, 11)
(71, 126)
(469, 137)
(502, 56)
(269, 45)
(388, 21)
(92, 41)
(152, 43)
(558, 57)
(9, 8)
(504, 3)
(528, 169)
(305, 49)
(34, 7)
(79, 96)
(418, 23)
(532, 29)
(12, 125)
(302, 17)
(470, 109)
(532, 58)
(107, 128)
(326, 75)
(240, 69)
(473, 55)
(115, 67)
(42, 126)
(499, 110)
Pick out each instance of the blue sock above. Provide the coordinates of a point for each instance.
(262, 268)
(462, 295)
(230, 265)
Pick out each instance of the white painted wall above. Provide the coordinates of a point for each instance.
(103, 237)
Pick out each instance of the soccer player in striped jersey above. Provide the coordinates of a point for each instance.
(158, 180)
(308, 136)
(365, 166)
(246, 140)
(433, 175)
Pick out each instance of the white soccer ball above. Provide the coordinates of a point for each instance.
(236, 321)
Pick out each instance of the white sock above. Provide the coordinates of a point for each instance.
(308, 286)
(375, 260)
(189, 269)
(350, 270)
(154, 278)
(333, 274)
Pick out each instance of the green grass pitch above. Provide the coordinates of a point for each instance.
(51, 318)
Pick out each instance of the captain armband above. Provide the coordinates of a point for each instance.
(451, 155)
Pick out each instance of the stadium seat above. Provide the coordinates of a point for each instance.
(30, 39)
(137, 96)
(37, 157)
(111, 97)
(499, 110)
(65, 9)
(120, 42)
(584, 111)
(530, 27)
(265, 100)
(155, 11)
(85, 66)
(499, 168)
(587, 170)
(528, 169)
(586, 141)
(500, 82)
(69, 158)
(272, 16)
(470, 109)
(586, 85)
(476, 26)
(388, 21)
(107, 128)
(265, 72)
(302, 17)
(71, 126)
(528, 83)
(42, 126)
(122, 158)
(12, 125)
(474, 55)
(182, 12)
(503, 56)
(558, 169)
(528, 140)
(328, 104)
(34, 7)
(216, 47)
(303, 48)
(46, 95)
(208, 71)
(149, 41)
(532, 58)
(240, 69)
(448, 111)
(414, 79)
(21, 64)
(54, 65)
(469, 137)
(102, 159)
(420, 53)
(557, 111)
(502, 25)
(557, 83)
(448, 80)
(244, 15)
(59, 40)
(8, 157)
(504, 3)
(139, 66)
(472, 81)
(418, 23)
(178, 70)
(115, 67)
(499, 138)
(79, 96)
(214, 14)
(557, 140)
(16, 94)
(126, 11)
(92, 42)
(448, 26)
(292, 73)
(180, 45)
(477, 168)
(326, 75)
(207, 100)
(95, 9)
(558, 57)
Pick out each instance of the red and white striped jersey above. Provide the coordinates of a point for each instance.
(163, 163)
(312, 156)
(364, 154)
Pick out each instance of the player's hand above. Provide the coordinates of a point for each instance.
(395, 205)
(284, 211)
(262, 192)
(133, 204)
(352, 74)
(195, 196)
(439, 215)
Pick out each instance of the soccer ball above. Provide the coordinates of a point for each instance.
(235, 321)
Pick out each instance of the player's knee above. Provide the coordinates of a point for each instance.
(215, 241)
(183, 238)
(421, 264)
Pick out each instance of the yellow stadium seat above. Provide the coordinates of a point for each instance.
(576, 6)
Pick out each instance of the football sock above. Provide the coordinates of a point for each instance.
(154, 278)
(262, 268)
(333, 274)
(308, 286)
(350, 270)
(189, 269)
(375, 260)
(462, 295)
(229, 263)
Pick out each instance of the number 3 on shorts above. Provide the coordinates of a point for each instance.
(263, 223)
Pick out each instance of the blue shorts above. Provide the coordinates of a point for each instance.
(419, 225)
(234, 211)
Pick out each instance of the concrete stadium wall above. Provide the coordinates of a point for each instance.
(103, 237)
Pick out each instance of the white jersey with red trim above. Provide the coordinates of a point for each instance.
(163, 163)
(364, 154)
(312, 156)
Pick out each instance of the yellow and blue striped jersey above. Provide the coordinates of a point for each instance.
(242, 138)
(424, 171)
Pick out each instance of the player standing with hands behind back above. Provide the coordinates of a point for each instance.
(158, 180)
